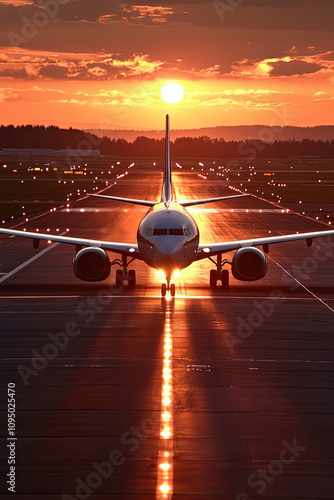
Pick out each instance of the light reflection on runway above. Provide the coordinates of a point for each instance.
(165, 455)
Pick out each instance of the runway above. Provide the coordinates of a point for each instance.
(250, 394)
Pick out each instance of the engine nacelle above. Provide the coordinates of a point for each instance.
(249, 264)
(91, 264)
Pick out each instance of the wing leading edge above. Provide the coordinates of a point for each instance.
(208, 250)
(121, 248)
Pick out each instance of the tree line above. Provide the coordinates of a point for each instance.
(28, 136)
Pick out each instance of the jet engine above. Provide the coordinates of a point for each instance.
(91, 264)
(249, 264)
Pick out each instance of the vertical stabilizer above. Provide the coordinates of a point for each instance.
(167, 192)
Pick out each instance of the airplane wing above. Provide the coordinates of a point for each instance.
(121, 248)
(208, 250)
(210, 200)
(145, 203)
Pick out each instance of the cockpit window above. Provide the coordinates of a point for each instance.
(176, 232)
(149, 232)
(163, 231)
(159, 232)
(187, 232)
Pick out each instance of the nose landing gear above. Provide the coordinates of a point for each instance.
(168, 287)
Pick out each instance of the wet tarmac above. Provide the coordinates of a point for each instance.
(217, 394)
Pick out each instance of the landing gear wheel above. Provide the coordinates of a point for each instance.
(213, 278)
(119, 278)
(172, 290)
(132, 278)
(225, 278)
(163, 290)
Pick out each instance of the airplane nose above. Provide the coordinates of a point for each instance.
(169, 245)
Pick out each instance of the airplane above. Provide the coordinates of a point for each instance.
(168, 240)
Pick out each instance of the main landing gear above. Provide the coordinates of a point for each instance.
(125, 274)
(219, 274)
(129, 276)
(168, 287)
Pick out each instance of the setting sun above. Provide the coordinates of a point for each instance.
(172, 93)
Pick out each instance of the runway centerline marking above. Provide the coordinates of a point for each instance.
(303, 286)
(164, 489)
(127, 297)
(29, 261)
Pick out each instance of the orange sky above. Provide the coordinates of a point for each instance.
(102, 63)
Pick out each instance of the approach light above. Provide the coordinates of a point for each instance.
(164, 466)
(164, 488)
(166, 433)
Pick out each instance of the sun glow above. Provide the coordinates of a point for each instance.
(172, 93)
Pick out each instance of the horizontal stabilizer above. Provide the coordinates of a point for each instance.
(145, 203)
(210, 200)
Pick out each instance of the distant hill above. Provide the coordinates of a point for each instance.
(229, 133)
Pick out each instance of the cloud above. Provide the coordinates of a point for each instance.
(242, 103)
(20, 63)
(240, 92)
(246, 14)
(168, 31)
(100, 99)
(16, 3)
(210, 72)
(322, 96)
(97, 11)
(251, 99)
(283, 66)
(11, 14)
(135, 98)
(33, 94)
(52, 71)
(139, 13)
(8, 94)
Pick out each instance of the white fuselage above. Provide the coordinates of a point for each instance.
(168, 238)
